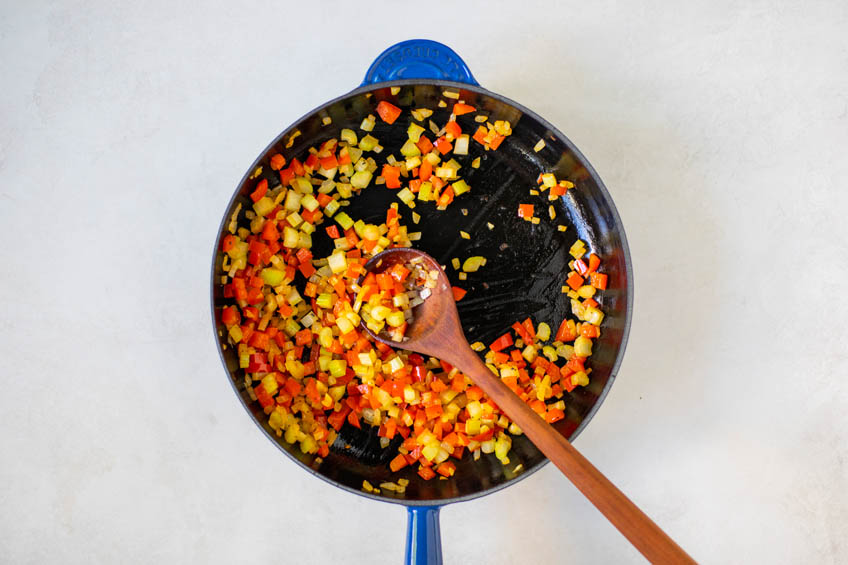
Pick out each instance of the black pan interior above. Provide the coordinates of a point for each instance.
(526, 267)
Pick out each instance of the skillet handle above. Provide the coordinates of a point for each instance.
(423, 538)
(419, 58)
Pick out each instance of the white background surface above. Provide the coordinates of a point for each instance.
(720, 130)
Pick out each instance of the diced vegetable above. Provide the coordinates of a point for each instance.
(388, 111)
(472, 264)
(525, 211)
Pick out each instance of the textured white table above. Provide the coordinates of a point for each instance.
(720, 131)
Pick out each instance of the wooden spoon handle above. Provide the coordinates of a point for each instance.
(642, 532)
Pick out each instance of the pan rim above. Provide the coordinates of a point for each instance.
(629, 291)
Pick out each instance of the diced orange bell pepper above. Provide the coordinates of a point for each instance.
(459, 109)
(388, 111)
(452, 128)
(598, 280)
(426, 473)
(424, 145)
(392, 176)
(443, 145)
(398, 463)
(277, 162)
(261, 189)
(502, 342)
(574, 280)
(594, 263)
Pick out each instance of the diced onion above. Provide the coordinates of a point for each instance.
(472, 264)
(337, 262)
(461, 145)
(368, 123)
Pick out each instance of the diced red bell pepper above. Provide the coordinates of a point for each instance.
(286, 176)
(581, 267)
(566, 382)
(594, 263)
(452, 128)
(311, 217)
(230, 316)
(337, 419)
(425, 146)
(529, 329)
(398, 272)
(525, 211)
(385, 282)
(558, 190)
(576, 364)
(522, 332)
(239, 288)
(459, 109)
(392, 176)
(398, 463)
(474, 393)
(353, 420)
(259, 340)
(388, 111)
(566, 332)
(344, 156)
(426, 473)
(538, 406)
(306, 269)
(329, 163)
(574, 280)
(446, 469)
(480, 135)
(502, 342)
(285, 310)
(297, 167)
(261, 189)
(303, 255)
(323, 199)
(445, 198)
(311, 161)
(425, 171)
(263, 397)
(277, 162)
(443, 145)
(269, 231)
(419, 373)
(590, 331)
(554, 415)
(598, 280)
(333, 231)
(255, 296)
(303, 337)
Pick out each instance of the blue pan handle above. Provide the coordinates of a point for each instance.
(423, 539)
(419, 58)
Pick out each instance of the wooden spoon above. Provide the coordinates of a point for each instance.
(436, 331)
